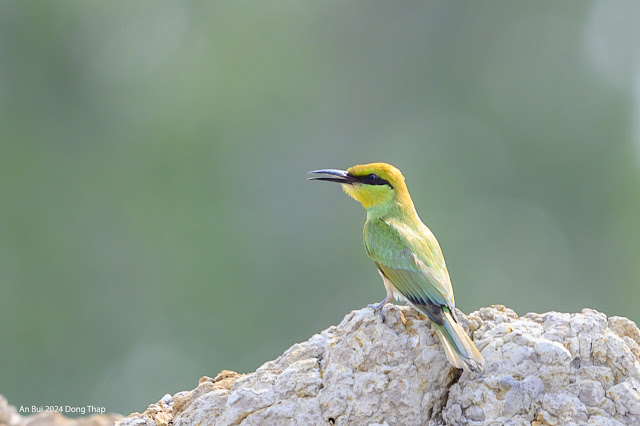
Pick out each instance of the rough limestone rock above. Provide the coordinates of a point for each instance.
(551, 368)
(9, 416)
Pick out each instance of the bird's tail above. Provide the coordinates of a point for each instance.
(460, 350)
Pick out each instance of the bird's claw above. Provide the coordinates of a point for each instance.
(378, 307)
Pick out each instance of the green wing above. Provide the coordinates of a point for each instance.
(413, 262)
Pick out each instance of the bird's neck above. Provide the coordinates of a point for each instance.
(400, 207)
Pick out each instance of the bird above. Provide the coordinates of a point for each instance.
(407, 254)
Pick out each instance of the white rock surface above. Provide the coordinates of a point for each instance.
(551, 368)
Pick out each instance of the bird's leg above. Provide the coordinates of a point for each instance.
(379, 306)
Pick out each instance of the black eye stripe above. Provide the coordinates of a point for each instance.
(372, 179)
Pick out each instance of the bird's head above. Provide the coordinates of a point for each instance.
(373, 185)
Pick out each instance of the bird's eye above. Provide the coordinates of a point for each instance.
(372, 178)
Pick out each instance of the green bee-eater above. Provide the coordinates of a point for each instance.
(408, 255)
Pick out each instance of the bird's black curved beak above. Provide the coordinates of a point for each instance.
(334, 175)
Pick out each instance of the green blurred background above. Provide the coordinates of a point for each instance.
(156, 224)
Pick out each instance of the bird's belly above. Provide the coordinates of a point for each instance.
(388, 285)
(399, 296)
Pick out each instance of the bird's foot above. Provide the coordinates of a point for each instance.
(378, 307)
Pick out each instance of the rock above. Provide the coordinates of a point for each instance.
(9, 416)
(541, 369)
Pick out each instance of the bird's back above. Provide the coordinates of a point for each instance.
(410, 256)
